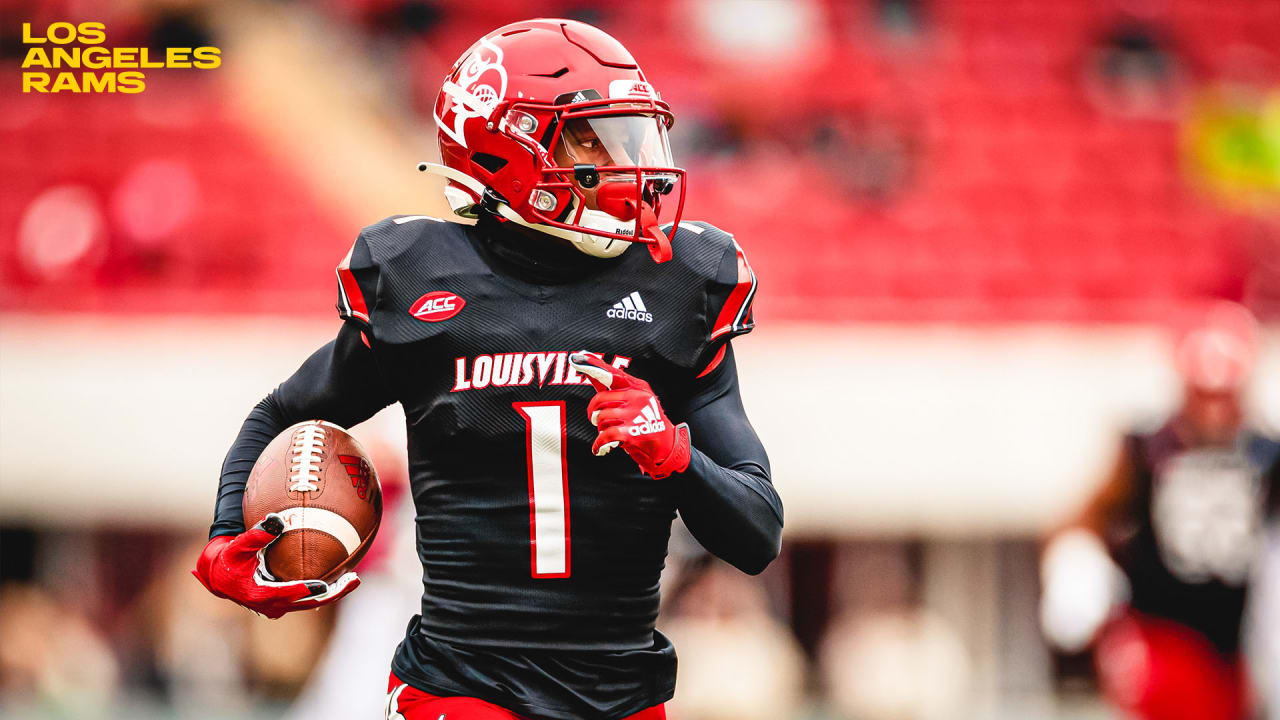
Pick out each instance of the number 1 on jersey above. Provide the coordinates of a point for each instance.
(544, 434)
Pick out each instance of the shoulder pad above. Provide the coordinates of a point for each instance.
(699, 245)
(733, 288)
(360, 272)
(716, 257)
(1264, 451)
(390, 237)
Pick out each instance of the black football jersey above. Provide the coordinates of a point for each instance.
(530, 544)
(1197, 519)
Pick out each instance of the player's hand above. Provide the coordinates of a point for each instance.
(235, 568)
(627, 413)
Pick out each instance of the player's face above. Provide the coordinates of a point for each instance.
(1214, 416)
(620, 141)
(580, 144)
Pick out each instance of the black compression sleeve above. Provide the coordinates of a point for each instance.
(338, 383)
(726, 497)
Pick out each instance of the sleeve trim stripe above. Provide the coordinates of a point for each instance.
(744, 314)
(715, 361)
(735, 316)
(350, 299)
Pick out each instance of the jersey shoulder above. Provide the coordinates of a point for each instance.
(699, 246)
(730, 282)
(1267, 453)
(401, 238)
(392, 258)
(1264, 452)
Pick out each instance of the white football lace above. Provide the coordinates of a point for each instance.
(308, 445)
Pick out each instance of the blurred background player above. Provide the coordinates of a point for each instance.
(1157, 569)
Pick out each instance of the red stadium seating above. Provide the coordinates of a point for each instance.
(1021, 198)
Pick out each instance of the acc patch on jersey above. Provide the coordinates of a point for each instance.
(436, 306)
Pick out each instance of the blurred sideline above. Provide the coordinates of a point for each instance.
(1019, 420)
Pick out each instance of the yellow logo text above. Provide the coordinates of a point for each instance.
(55, 54)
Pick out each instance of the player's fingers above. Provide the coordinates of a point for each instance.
(255, 538)
(612, 417)
(244, 548)
(313, 603)
(602, 401)
(273, 524)
(608, 440)
(602, 375)
(337, 589)
(288, 592)
(606, 398)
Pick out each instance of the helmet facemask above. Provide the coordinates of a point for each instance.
(610, 170)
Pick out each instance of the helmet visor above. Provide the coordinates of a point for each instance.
(617, 140)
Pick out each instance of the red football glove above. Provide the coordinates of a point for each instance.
(235, 568)
(628, 414)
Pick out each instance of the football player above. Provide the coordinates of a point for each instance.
(1178, 527)
(568, 384)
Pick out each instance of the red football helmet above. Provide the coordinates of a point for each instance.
(541, 119)
(1218, 352)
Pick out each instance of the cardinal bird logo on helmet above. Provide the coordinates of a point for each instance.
(481, 83)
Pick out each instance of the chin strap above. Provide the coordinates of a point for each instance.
(619, 202)
(660, 248)
(594, 245)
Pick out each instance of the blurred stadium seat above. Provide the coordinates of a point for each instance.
(968, 174)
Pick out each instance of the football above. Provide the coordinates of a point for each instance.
(319, 479)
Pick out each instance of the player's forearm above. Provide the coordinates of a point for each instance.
(726, 496)
(734, 512)
(338, 383)
(265, 421)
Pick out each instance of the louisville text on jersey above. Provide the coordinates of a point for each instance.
(521, 368)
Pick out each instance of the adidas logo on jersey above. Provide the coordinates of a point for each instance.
(649, 420)
(630, 307)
